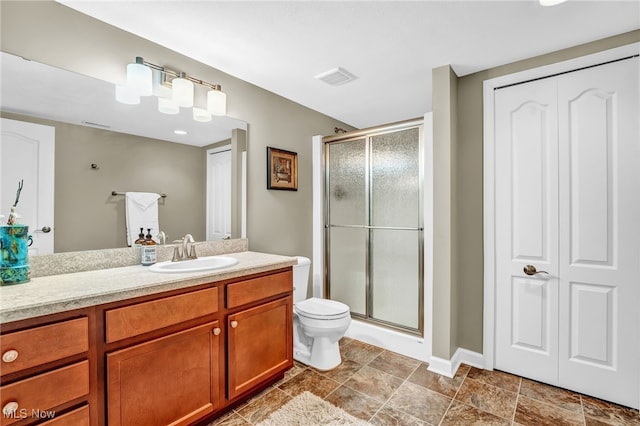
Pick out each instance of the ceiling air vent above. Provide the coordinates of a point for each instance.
(336, 76)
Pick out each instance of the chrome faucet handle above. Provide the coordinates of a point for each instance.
(177, 256)
(188, 251)
(192, 253)
(162, 238)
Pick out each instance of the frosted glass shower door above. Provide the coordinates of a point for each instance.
(396, 228)
(347, 234)
(374, 226)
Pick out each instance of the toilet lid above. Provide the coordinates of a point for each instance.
(321, 308)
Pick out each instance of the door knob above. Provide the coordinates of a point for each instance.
(531, 270)
(234, 324)
(45, 229)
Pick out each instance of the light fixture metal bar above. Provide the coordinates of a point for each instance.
(176, 74)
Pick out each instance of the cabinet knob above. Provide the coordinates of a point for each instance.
(234, 324)
(10, 408)
(10, 355)
(216, 331)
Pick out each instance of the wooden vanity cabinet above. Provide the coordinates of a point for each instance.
(260, 331)
(176, 358)
(259, 345)
(46, 372)
(172, 380)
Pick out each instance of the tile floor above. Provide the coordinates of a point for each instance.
(385, 388)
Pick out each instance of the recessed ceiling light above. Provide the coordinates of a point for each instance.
(180, 132)
(551, 2)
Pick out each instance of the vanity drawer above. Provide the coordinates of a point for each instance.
(248, 291)
(78, 417)
(129, 321)
(39, 345)
(43, 392)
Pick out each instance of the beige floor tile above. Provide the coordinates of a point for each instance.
(496, 378)
(537, 413)
(374, 383)
(360, 352)
(309, 380)
(608, 412)
(395, 364)
(388, 416)
(486, 397)
(462, 414)
(260, 408)
(343, 372)
(355, 403)
(561, 398)
(436, 382)
(420, 402)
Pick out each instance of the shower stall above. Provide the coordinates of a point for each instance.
(373, 224)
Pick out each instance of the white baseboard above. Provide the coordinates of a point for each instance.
(448, 368)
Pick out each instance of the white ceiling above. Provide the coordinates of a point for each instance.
(390, 46)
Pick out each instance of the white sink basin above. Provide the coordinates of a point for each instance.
(200, 264)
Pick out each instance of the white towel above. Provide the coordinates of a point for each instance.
(141, 212)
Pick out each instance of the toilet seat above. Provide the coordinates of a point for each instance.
(323, 309)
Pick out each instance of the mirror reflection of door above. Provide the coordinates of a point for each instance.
(27, 153)
(219, 193)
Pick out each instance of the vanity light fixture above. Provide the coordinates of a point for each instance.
(140, 82)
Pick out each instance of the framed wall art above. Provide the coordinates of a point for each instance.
(282, 169)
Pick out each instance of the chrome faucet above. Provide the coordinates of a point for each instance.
(162, 238)
(188, 249)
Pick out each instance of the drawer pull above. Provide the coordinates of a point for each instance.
(10, 409)
(216, 331)
(10, 355)
(234, 324)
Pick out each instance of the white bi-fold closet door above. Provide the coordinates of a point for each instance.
(567, 197)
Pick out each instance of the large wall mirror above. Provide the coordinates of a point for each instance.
(102, 147)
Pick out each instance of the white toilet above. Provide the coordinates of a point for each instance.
(318, 324)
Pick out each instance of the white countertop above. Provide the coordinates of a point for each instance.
(59, 293)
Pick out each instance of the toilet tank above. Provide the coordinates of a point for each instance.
(301, 279)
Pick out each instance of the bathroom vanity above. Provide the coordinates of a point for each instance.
(127, 346)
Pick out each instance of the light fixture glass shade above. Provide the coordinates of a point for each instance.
(551, 2)
(182, 92)
(217, 102)
(167, 106)
(125, 95)
(140, 79)
(201, 115)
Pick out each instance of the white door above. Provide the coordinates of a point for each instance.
(27, 153)
(218, 194)
(527, 229)
(568, 203)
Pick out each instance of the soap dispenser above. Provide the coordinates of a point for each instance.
(148, 250)
(140, 241)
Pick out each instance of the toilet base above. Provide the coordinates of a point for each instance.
(320, 353)
(323, 355)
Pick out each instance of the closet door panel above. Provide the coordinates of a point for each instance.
(600, 231)
(526, 214)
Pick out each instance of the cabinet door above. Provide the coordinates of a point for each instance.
(260, 344)
(167, 381)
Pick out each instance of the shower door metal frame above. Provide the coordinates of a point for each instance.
(368, 134)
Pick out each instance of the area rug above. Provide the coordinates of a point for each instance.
(307, 409)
